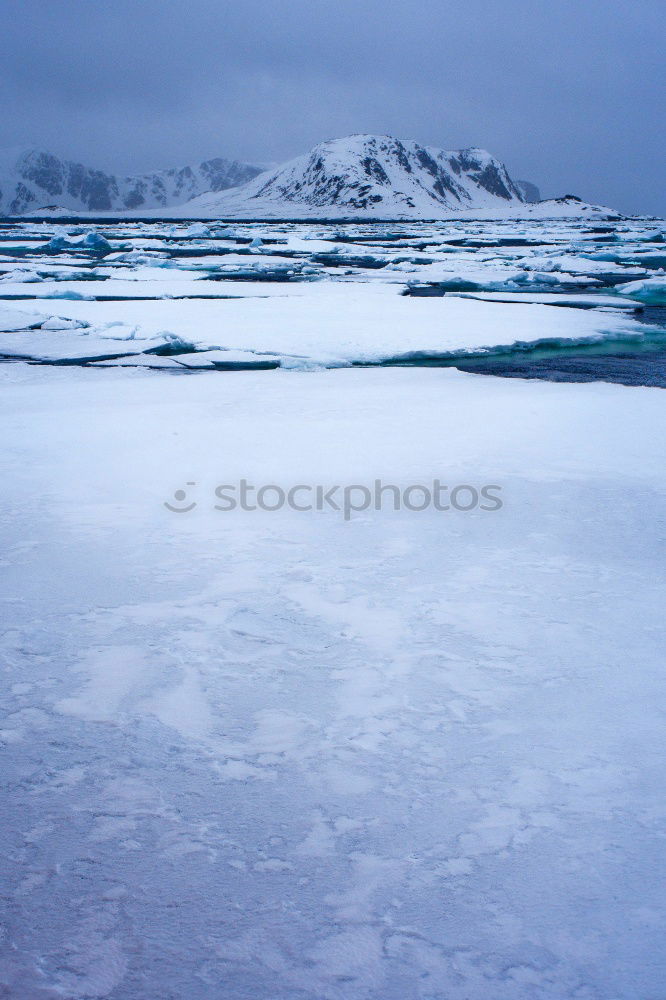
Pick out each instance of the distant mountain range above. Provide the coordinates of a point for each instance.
(356, 177)
(31, 180)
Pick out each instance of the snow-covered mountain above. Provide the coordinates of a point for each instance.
(356, 177)
(378, 176)
(374, 175)
(31, 180)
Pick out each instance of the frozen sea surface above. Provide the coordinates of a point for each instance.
(296, 295)
(409, 755)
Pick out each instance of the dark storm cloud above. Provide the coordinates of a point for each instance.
(569, 94)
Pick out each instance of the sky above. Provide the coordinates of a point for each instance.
(568, 93)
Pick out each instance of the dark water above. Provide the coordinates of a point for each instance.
(639, 364)
(626, 360)
(644, 368)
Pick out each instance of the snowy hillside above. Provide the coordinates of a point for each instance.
(365, 176)
(378, 175)
(568, 207)
(30, 180)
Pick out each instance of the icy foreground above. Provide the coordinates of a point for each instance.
(280, 756)
(411, 755)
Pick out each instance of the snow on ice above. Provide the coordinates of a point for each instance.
(411, 755)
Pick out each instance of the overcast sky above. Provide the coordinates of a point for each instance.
(569, 93)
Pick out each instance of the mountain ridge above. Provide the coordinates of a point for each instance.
(31, 179)
(355, 177)
(365, 172)
(380, 177)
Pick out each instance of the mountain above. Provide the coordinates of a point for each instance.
(529, 191)
(378, 176)
(32, 179)
(356, 177)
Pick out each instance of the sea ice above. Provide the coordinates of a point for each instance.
(649, 290)
(283, 754)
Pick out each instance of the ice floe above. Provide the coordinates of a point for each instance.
(323, 295)
(650, 290)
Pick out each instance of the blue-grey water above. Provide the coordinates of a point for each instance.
(647, 368)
